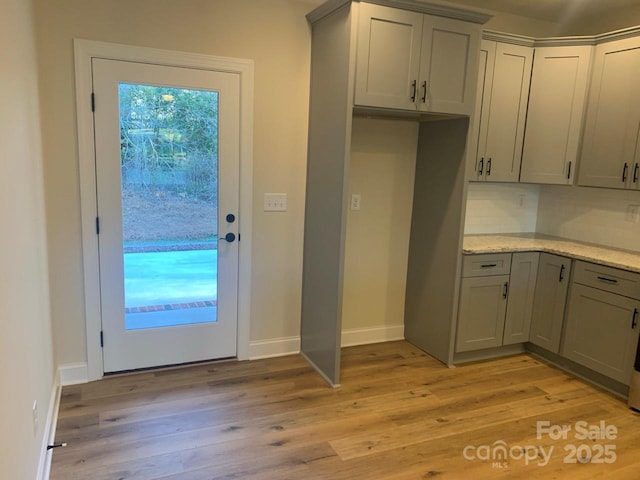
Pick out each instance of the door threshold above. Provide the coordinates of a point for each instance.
(176, 366)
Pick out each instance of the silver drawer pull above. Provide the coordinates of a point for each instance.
(608, 280)
(489, 265)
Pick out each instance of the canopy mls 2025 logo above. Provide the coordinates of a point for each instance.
(584, 446)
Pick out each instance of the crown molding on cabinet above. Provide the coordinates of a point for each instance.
(618, 34)
(523, 40)
(440, 9)
(515, 39)
(511, 38)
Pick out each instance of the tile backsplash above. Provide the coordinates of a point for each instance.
(501, 208)
(595, 215)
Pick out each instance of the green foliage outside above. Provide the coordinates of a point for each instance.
(169, 140)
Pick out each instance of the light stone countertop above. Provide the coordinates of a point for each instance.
(530, 242)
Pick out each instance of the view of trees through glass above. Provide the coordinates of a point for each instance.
(169, 160)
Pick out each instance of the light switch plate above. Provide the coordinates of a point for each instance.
(355, 201)
(275, 202)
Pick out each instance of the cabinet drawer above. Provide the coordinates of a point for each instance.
(486, 264)
(607, 278)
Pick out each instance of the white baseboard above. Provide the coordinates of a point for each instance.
(44, 464)
(278, 347)
(275, 347)
(364, 336)
(73, 373)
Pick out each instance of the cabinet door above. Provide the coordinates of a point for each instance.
(522, 286)
(613, 117)
(478, 143)
(504, 130)
(448, 65)
(483, 303)
(557, 100)
(388, 57)
(600, 332)
(549, 301)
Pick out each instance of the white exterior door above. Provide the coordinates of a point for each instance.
(167, 143)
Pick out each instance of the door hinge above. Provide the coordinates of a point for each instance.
(97, 225)
(93, 102)
(101, 339)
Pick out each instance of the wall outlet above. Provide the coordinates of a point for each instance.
(275, 202)
(34, 414)
(355, 201)
(633, 213)
(521, 199)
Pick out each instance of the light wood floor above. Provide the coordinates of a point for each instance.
(398, 415)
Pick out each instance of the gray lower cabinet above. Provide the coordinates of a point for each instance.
(522, 284)
(549, 301)
(496, 300)
(601, 329)
(483, 305)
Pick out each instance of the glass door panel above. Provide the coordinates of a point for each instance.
(169, 178)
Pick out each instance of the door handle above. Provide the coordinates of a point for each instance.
(414, 85)
(229, 237)
(424, 92)
(569, 172)
(561, 276)
(481, 169)
(505, 290)
(636, 171)
(634, 319)
(624, 171)
(489, 166)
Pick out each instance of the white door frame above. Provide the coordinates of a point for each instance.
(84, 51)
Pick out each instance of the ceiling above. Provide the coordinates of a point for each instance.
(551, 10)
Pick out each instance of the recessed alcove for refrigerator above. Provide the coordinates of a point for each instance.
(412, 166)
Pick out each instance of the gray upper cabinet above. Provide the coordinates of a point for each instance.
(549, 301)
(557, 100)
(602, 332)
(498, 132)
(522, 284)
(610, 153)
(412, 61)
(388, 57)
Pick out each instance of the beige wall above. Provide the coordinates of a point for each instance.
(26, 358)
(273, 33)
(382, 171)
